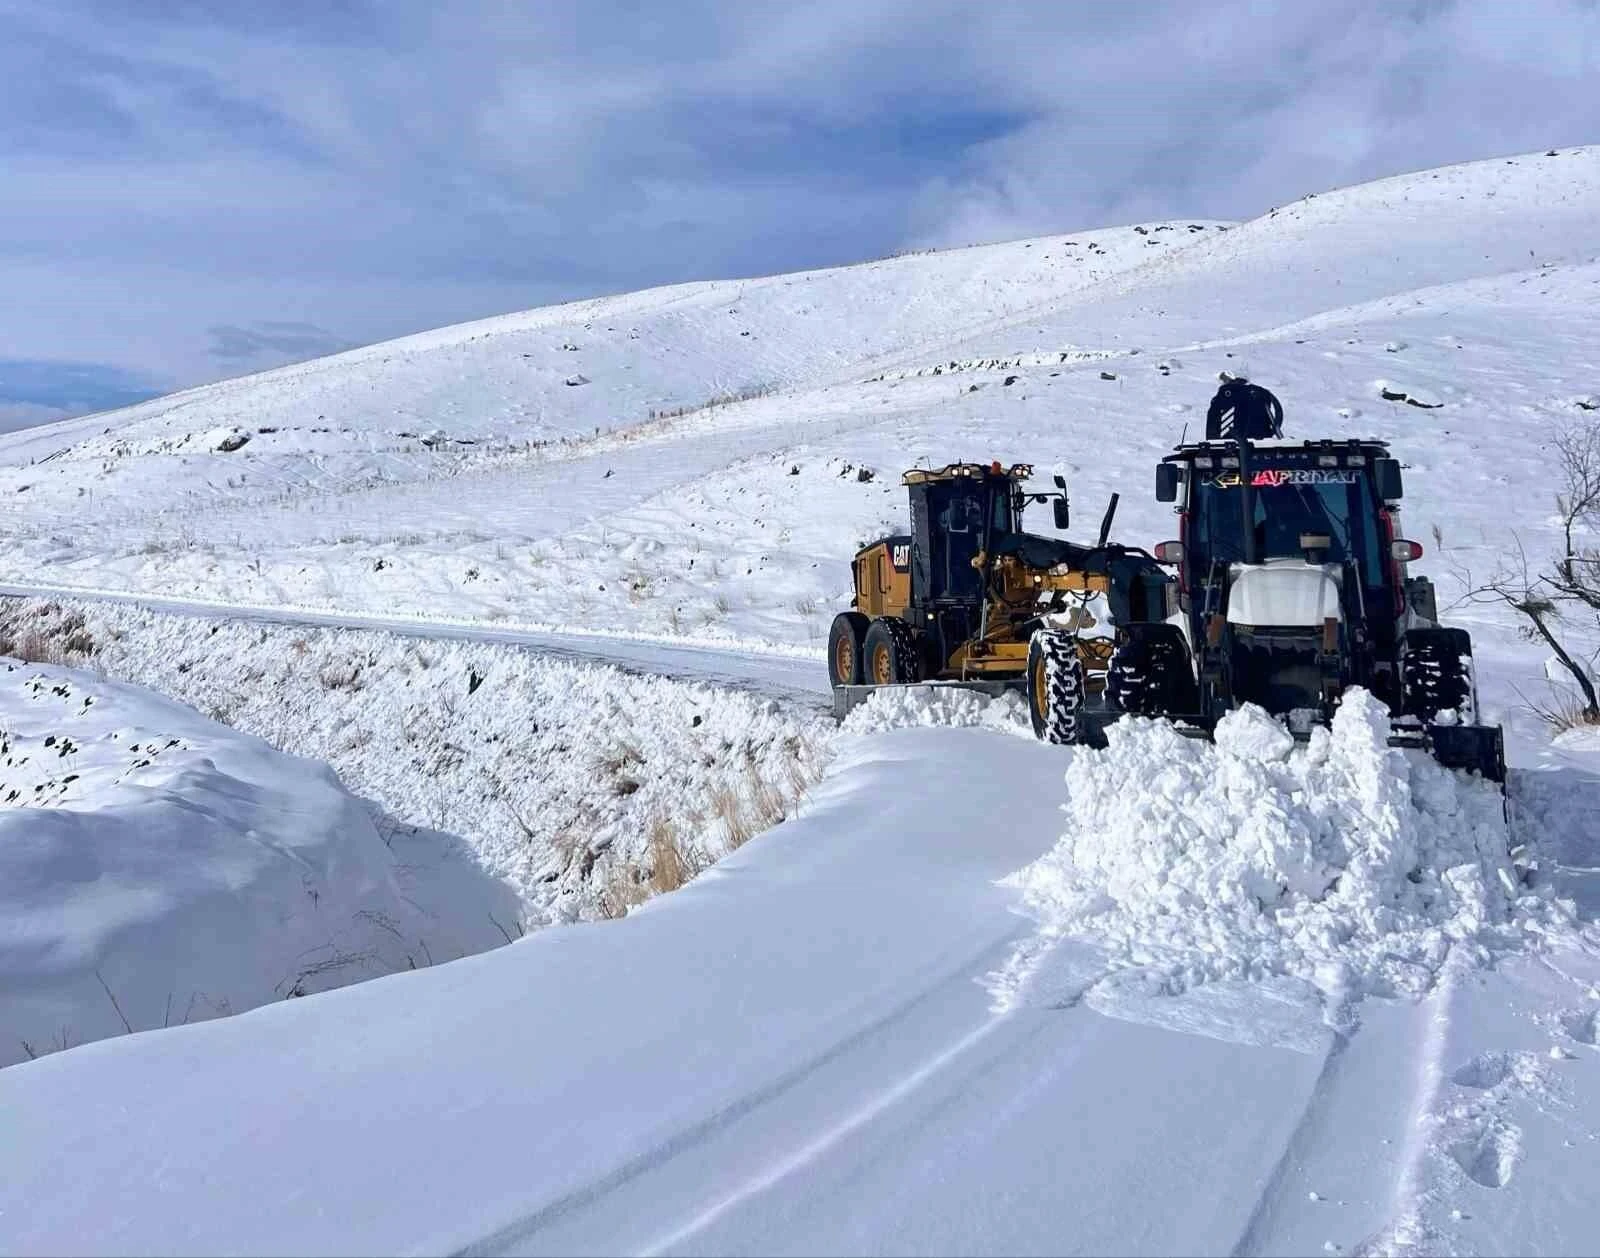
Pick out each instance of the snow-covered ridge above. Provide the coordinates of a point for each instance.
(680, 346)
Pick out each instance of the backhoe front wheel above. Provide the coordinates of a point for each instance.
(890, 653)
(1055, 687)
(847, 649)
(1436, 675)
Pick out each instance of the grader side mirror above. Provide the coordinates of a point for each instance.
(1063, 513)
(1166, 482)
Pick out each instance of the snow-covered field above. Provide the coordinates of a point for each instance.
(976, 994)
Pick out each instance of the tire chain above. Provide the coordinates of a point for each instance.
(1433, 682)
(1138, 680)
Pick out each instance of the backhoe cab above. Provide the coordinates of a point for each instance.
(1292, 586)
(959, 598)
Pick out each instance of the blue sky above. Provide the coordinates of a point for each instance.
(198, 188)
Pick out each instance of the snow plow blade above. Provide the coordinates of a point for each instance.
(847, 698)
(1474, 748)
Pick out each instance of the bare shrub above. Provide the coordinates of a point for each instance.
(1561, 710)
(34, 646)
(1566, 588)
(620, 756)
(79, 642)
(625, 888)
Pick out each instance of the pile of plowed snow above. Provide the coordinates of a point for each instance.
(1346, 863)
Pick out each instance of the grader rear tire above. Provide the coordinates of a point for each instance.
(846, 650)
(1056, 687)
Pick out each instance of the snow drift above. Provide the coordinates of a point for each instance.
(1346, 864)
(157, 868)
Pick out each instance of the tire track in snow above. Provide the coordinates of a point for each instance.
(1274, 1192)
(1282, 1195)
(1405, 1228)
(813, 1149)
(514, 1235)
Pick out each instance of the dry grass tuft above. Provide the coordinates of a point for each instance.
(746, 809)
(42, 634)
(670, 866)
(345, 676)
(1563, 711)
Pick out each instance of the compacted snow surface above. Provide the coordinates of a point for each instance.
(973, 994)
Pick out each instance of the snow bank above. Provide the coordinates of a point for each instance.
(1346, 864)
(584, 788)
(157, 868)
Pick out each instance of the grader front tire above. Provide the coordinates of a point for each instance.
(1056, 687)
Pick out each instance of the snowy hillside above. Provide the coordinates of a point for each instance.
(1471, 287)
(974, 993)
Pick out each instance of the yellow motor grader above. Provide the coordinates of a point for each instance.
(961, 600)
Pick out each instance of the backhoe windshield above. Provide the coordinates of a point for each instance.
(1288, 507)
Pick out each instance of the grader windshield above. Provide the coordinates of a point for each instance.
(952, 520)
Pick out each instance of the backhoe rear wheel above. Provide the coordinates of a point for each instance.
(846, 649)
(1056, 686)
(890, 653)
